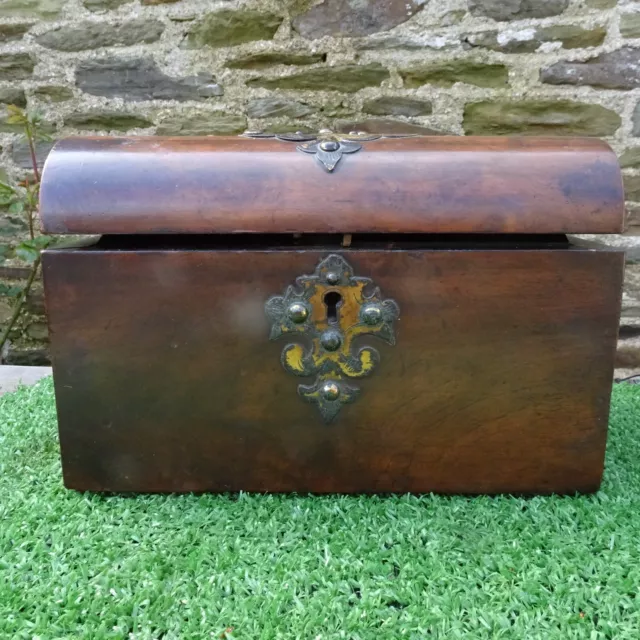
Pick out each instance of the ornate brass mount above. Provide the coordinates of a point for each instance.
(331, 308)
(326, 146)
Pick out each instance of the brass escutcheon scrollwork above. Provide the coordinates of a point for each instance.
(331, 308)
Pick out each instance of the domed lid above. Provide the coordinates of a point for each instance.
(331, 183)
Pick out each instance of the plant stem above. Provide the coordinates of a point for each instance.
(31, 234)
(32, 149)
(29, 212)
(19, 303)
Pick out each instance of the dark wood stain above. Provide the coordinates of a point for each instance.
(166, 380)
(412, 185)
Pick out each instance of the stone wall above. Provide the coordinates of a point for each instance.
(192, 67)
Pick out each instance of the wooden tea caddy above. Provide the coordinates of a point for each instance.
(222, 336)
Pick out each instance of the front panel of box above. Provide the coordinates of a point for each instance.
(493, 374)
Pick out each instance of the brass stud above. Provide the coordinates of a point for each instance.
(297, 312)
(330, 390)
(331, 340)
(333, 277)
(329, 145)
(371, 314)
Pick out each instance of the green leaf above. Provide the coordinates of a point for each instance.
(33, 191)
(42, 242)
(10, 291)
(6, 190)
(27, 251)
(16, 207)
(34, 117)
(16, 115)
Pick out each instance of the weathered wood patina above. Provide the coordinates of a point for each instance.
(220, 336)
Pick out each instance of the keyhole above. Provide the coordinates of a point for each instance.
(332, 300)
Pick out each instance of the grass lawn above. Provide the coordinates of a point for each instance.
(267, 567)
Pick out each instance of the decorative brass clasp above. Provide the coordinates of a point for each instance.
(326, 146)
(332, 309)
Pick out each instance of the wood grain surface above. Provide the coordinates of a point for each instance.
(499, 382)
(411, 185)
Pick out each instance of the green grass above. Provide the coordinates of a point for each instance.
(269, 567)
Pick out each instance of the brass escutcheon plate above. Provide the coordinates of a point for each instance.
(331, 308)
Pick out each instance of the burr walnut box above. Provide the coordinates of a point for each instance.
(332, 313)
